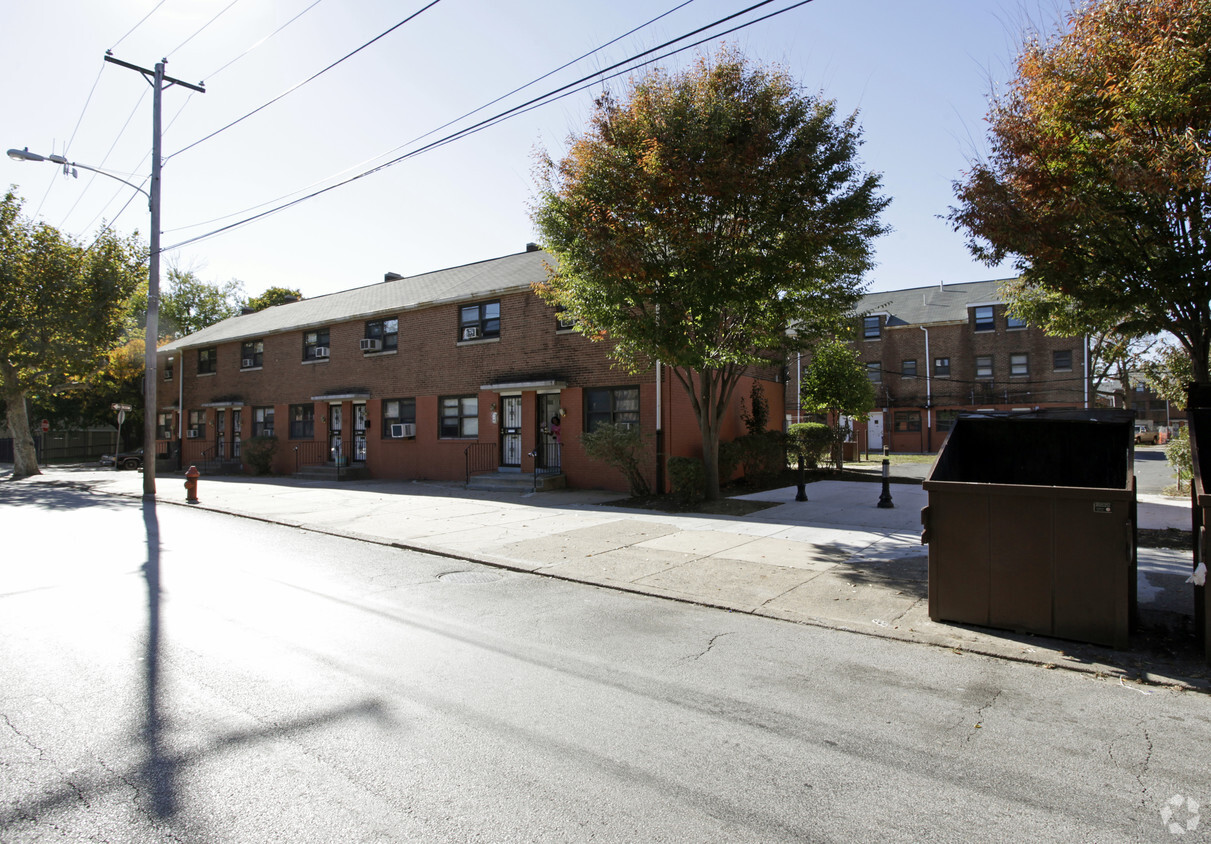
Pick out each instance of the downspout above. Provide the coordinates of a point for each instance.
(928, 393)
(799, 387)
(1085, 372)
(659, 433)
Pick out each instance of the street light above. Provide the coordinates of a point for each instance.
(152, 335)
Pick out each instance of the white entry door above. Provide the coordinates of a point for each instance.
(874, 432)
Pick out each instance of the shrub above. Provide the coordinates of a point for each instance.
(1177, 452)
(620, 446)
(259, 453)
(763, 455)
(687, 475)
(811, 441)
(730, 457)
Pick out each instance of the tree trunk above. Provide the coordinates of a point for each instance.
(25, 457)
(709, 399)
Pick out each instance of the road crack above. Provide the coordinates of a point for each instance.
(709, 645)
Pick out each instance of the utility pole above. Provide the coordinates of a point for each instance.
(157, 78)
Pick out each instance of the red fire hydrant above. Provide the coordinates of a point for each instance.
(191, 485)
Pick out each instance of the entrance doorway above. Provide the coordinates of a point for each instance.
(549, 446)
(335, 449)
(874, 432)
(510, 432)
(359, 433)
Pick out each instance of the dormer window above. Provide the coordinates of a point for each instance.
(871, 328)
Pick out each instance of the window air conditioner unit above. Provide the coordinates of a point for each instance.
(371, 345)
(247, 363)
(191, 434)
(403, 429)
(471, 333)
(321, 351)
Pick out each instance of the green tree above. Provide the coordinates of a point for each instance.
(189, 304)
(836, 384)
(700, 216)
(1167, 372)
(274, 296)
(1098, 175)
(61, 311)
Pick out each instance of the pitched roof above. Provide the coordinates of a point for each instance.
(509, 274)
(933, 304)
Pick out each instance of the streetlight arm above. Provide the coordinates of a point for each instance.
(26, 155)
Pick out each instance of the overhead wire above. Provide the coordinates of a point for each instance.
(306, 81)
(203, 26)
(449, 123)
(537, 102)
(263, 40)
(139, 24)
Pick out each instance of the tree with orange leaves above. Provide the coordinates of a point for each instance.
(702, 217)
(1097, 180)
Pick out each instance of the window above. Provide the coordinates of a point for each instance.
(908, 369)
(941, 367)
(870, 328)
(208, 361)
(386, 332)
(459, 417)
(983, 366)
(302, 421)
(908, 421)
(163, 426)
(1019, 365)
(563, 322)
(315, 344)
(985, 318)
(262, 421)
(944, 420)
(168, 370)
(197, 425)
(615, 405)
(396, 411)
(475, 322)
(1013, 322)
(874, 372)
(252, 354)
(1061, 360)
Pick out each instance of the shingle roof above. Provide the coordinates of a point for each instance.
(936, 303)
(485, 278)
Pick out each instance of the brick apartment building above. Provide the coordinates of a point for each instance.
(420, 378)
(934, 352)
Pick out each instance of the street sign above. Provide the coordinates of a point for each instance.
(45, 425)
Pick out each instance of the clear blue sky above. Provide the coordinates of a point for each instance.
(918, 73)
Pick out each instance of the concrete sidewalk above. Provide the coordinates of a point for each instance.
(836, 561)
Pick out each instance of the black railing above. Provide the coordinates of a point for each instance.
(311, 453)
(481, 457)
(548, 460)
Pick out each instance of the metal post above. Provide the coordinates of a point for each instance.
(885, 498)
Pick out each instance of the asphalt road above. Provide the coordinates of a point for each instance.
(1153, 474)
(175, 675)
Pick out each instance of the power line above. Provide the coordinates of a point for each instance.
(545, 99)
(139, 24)
(309, 79)
(203, 26)
(263, 40)
(447, 124)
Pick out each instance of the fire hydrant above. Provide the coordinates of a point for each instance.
(191, 485)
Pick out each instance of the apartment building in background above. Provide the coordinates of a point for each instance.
(935, 352)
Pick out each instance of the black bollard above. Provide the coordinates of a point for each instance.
(801, 494)
(885, 498)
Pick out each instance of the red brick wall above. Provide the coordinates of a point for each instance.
(431, 363)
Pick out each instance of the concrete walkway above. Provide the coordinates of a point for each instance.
(836, 561)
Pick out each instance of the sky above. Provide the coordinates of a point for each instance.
(917, 73)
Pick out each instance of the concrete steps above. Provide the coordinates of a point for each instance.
(332, 474)
(515, 482)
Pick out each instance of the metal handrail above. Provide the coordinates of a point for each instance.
(480, 457)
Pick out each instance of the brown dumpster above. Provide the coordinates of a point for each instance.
(1031, 525)
(1198, 415)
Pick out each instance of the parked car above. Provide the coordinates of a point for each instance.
(124, 459)
(1145, 437)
